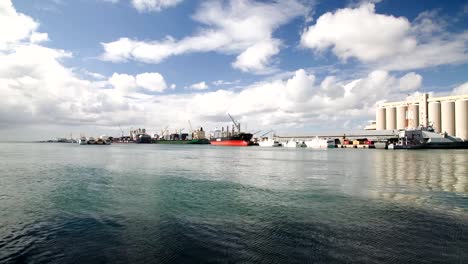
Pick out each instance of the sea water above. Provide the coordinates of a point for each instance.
(63, 203)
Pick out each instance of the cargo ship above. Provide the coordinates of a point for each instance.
(139, 136)
(233, 137)
(195, 137)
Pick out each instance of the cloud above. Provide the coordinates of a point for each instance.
(153, 5)
(38, 37)
(222, 82)
(243, 27)
(38, 89)
(150, 81)
(410, 82)
(199, 86)
(460, 90)
(257, 57)
(385, 41)
(15, 26)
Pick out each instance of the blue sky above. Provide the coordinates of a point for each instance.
(289, 65)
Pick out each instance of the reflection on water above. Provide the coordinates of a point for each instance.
(64, 203)
(422, 175)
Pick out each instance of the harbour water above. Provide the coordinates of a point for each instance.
(62, 203)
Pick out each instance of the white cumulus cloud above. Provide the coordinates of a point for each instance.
(461, 89)
(153, 5)
(199, 86)
(385, 41)
(14, 26)
(410, 82)
(150, 81)
(242, 27)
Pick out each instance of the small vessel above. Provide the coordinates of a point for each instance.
(82, 141)
(91, 141)
(105, 139)
(320, 143)
(294, 144)
(269, 143)
(231, 138)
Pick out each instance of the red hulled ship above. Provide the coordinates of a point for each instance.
(231, 138)
(239, 140)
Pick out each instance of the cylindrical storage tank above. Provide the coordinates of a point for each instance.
(390, 116)
(448, 117)
(401, 117)
(413, 116)
(380, 119)
(434, 116)
(461, 119)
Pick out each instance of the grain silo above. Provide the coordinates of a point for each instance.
(413, 116)
(461, 119)
(390, 117)
(434, 116)
(401, 117)
(380, 119)
(448, 117)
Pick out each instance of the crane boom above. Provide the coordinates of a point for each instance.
(190, 124)
(234, 121)
(121, 130)
(266, 133)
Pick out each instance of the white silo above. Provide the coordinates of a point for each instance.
(390, 116)
(413, 116)
(448, 117)
(461, 119)
(380, 119)
(434, 116)
(401, 117)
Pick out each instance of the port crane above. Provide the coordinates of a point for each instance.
(121, 130)
(235, 123)
(266, 133)
(190, 125)
(163, 131)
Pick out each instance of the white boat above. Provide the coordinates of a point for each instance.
(83, 141)
(269, 143)
(105, 139)
(320, 143)
(294, 144)
(91, 141)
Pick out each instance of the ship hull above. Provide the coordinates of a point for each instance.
(178, 142)
(231, 142)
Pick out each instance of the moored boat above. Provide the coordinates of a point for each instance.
(269, 143)
(320, 143)
(294, 144)
(91, 141)
(82, 141)
(233, 137)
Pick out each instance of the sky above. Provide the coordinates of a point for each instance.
(293, 66)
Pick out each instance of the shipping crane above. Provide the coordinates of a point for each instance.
(235, 123)
(190, 125)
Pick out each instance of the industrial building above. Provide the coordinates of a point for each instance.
(445, 114)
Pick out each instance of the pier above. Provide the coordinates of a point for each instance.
(371, 135)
